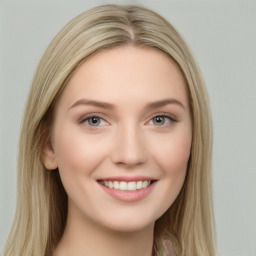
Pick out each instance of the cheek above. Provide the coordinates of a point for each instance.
(77, 154)
(175, 158)
(174, 166)
(170, 156)
(172, 153)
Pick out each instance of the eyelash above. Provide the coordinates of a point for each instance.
(86, 119)
(165, 116)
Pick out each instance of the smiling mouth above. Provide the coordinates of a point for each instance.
(127, 186)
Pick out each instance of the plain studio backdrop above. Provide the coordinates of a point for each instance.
(222, 36)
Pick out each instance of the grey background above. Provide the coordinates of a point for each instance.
(222, 35)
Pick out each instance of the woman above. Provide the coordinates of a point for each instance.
(115, 146)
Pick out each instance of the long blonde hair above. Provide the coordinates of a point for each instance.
(41, 199)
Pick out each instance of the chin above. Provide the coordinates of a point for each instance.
(130, 227)
(129, 224)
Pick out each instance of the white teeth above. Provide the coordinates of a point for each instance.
(110, 184)
(116, 185)
(131, 186)
(139, 185)
(123, 185)
(145, 184)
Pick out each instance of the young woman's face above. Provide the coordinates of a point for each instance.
(121, 138)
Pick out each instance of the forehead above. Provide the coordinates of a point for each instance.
(127, 73)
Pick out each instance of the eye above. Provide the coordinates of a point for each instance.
(161, 120)
(94, 121)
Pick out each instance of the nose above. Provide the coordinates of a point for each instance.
(129, 148)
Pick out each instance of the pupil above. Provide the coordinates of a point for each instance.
(159, 120)
(94, 120)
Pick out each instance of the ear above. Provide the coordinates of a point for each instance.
(48, 156)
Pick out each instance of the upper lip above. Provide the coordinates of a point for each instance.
(127, 178)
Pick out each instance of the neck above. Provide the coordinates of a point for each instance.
(85, 237)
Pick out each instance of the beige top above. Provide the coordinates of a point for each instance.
(169, 248)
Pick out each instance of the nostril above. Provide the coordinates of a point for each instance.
(129, 150)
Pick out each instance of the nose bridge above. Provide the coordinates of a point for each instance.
(129, 148)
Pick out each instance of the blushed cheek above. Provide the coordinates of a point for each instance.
(77, 155)
(173, 157)
(175, 168)
(68, 153)
(76, 162)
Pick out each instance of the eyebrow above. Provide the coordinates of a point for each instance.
(152, 105)
(95, 103)
(164, 102)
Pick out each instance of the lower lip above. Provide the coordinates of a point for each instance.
(128, 196)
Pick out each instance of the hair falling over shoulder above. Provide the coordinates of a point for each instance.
(41, 209)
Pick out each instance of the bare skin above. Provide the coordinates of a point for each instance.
(124, 117)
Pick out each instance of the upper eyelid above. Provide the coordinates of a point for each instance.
(84, 117)
(171, 116)
(85, 122)
(102, 116)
